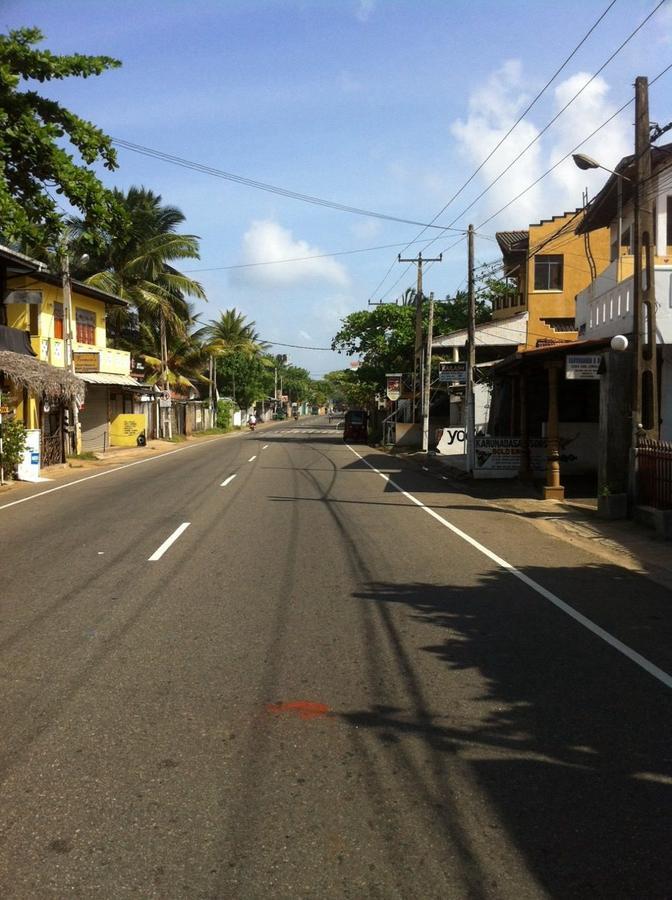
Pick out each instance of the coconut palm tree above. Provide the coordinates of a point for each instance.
(138, 267)
(230, 333)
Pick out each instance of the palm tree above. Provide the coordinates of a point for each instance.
(139, 267)
(230, 333)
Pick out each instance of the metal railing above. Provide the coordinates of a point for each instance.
(403, 413)
(654, 473)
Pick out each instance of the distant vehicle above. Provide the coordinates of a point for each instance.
(336, 414)
(356, 425)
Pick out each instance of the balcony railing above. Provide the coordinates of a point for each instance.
(99, 359)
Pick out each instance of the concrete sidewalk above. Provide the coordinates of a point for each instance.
(622, 542)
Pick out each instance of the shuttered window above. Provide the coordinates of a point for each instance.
(86, 326)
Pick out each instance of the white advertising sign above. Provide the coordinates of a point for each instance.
(453, 372)
(582, 368)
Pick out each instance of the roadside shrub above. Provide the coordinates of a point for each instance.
(13, 444)
(224, 414)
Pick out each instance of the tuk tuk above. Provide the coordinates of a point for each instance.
(355, 427)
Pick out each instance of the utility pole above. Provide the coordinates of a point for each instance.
(471, 352)
(428, 377)
(69, 355)
(167, 425)
(417, 358)
(645, 417)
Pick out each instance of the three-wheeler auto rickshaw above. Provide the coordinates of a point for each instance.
(355, 427)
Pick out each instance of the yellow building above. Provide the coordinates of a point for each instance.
(546, 267)
(34, 304)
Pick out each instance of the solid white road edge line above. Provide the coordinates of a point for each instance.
(227, 480)
(608, 638)
(252, 459)
(138, 462)
(168, 542)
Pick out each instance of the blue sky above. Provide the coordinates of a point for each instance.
(383, 105)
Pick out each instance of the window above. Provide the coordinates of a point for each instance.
(86, 326)
(58, 321)
(34, 318)
(669, 222)
(548, 273)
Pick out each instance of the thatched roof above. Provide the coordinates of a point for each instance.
(41, 378)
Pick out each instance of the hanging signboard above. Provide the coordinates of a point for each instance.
(453, 372)
(393, 387)
(86, 361)
(582, 368)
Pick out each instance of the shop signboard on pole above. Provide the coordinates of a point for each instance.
(453, 372)
(393, 387)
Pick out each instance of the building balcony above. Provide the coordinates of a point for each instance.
(88, 358)
(605, 308)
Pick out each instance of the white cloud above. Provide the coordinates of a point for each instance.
(267, 241)
(305, 335)
(495, 106)
(366, 229)
(365, 9)
(585, 114)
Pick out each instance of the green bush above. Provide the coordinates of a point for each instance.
(224, 414)
(13, 444)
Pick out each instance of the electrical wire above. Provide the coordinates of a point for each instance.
(264, 186)
(272, 262)
(560, 161)
(506, 136)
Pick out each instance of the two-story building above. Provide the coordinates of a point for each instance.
(605, 307)
(546, 266)
(34, 304)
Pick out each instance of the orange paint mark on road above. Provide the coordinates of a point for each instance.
(301, 709)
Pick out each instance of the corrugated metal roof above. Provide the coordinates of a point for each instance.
(513, 241)
(109, 378)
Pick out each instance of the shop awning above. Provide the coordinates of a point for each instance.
(109, 378)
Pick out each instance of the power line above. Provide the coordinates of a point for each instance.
(293, 346)
(548, 125)
(272, 262)
(263, 186)
(510, 131)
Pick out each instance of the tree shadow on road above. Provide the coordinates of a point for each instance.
(565, 736)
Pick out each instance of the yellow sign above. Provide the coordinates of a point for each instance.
(125, 429)
(86, 361)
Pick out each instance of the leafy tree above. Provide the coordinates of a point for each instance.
(246, 378)
(347, 387)
(33, 162)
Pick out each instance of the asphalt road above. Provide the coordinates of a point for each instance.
(321, 689)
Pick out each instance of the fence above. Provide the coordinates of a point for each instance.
(654, 473)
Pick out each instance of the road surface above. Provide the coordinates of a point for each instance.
(277, 666)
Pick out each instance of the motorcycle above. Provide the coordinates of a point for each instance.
(251, 425)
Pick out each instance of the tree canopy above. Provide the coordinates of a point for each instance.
(34, 163)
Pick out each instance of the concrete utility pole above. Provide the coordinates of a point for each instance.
(417, 365)
(428, 377)
(471, 352)
(69, 354)
(645, 417)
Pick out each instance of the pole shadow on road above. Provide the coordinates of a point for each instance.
(570, 741)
